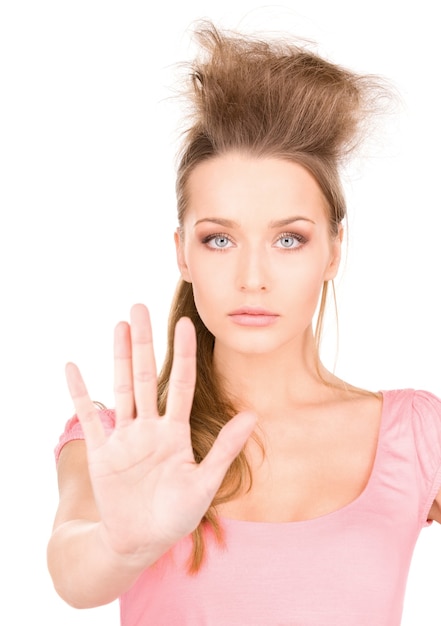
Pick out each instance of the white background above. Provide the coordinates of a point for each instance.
(88, 132)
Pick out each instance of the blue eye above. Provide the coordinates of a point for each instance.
(287, 242)
(217, 242)
(290, 241)
(221, 242)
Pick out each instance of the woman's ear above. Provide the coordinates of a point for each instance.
(334, 261)
(180, 257)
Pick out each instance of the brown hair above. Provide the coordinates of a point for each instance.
(268, 99)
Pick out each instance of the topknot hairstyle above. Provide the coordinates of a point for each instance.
(274, 98)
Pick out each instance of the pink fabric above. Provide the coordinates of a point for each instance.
(346, 568)
(73, 430)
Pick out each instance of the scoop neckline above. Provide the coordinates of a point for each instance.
(231, 521)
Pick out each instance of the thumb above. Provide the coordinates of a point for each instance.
(227, 446)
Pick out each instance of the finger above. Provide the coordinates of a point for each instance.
(123, 378)
(183, 373)
(227, 446)
(143, 363)
(85, 409)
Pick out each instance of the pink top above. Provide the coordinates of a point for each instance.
(346, 568)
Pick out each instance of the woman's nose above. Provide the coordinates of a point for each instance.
(253, 274)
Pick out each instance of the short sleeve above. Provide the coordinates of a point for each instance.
(73, 431)
(427, 435)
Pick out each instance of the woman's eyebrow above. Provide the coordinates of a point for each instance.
(218, 220)
(273, 224)
(290, 220)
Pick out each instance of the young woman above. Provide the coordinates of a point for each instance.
(248, 485)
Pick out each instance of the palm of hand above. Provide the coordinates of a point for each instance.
(147, 486)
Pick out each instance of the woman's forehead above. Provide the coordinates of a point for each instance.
(233, 186)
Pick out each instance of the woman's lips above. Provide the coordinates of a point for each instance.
(250, 316)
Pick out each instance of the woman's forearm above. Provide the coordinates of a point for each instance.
(85, 571)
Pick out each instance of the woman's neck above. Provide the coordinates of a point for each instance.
(290, 376)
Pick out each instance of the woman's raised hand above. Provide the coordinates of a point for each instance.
(148, 489)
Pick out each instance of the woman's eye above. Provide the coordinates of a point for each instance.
(290, 241)
(217, 242)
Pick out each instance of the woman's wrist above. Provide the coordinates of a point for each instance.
(125, 553)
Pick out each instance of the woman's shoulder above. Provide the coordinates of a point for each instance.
(417, 401)
(74, 432)
(419, 408)
(400, 403)
(410, 398)
(414, 415)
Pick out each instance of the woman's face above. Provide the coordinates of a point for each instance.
(256, 247)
